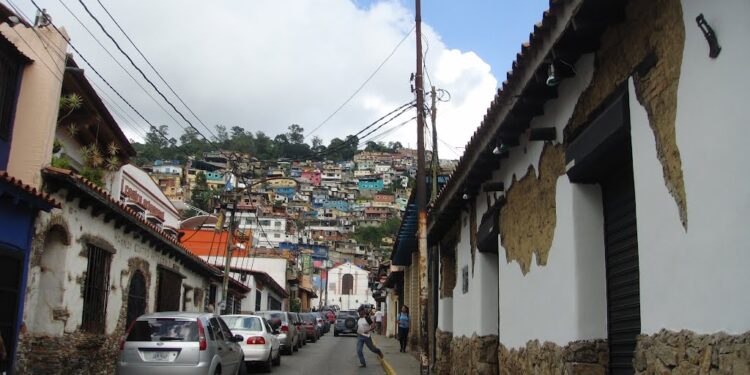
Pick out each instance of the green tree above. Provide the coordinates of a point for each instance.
(296, 134)
(202, 195)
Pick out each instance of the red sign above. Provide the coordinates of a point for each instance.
(136, 197)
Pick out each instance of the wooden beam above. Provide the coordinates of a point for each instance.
(109, 216)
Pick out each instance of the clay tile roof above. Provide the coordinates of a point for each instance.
(45, 198)
(117, 204)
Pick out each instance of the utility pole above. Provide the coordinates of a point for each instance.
(421, 199)
(228, 254)
(435, 160)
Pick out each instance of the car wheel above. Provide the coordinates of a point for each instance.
(242, 370)
(218, 370)
(290, 350)
(266, 367)
(336, 333)
(277, 361)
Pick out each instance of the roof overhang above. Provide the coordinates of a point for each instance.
(569, 29)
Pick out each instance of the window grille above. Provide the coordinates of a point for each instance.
(96, 290)
(347, 284)
(258, 297)
(10, 67)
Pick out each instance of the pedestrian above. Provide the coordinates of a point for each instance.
(379, 321)
(365, 325)
(403, 327)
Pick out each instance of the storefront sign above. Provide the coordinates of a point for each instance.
(136, 197)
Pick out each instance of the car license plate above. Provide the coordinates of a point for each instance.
(160, 356)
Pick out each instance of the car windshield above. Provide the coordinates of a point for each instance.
(348, 313)
(243, 323)
(164, 330)
(308, 318)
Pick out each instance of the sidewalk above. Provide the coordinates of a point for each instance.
(394, 361)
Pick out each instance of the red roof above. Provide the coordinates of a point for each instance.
(44, 197)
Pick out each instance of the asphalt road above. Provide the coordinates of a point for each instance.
(330, 355)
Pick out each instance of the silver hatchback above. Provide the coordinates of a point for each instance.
(180, 343)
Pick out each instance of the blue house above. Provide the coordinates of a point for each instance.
(285, 191)
(370, 183)
(338, 204)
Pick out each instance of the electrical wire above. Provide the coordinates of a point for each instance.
(104, 30)
(119, 64)
(363, 83)
(151, 65)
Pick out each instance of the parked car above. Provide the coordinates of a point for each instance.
(322, 322)
(180, 343)
(346, 322)
(259, 342)
(301, 333)
(284, 322)
(330, 315)
(311, 326)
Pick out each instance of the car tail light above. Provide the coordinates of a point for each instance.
(284, 328)
(202, 344)
(256, 340)
(122, 342)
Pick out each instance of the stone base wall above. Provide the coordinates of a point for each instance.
(686, 352)
(474, 355)
(443, 353)
(578, 357)
(71, 354)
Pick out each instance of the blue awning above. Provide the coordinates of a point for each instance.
(406, 241)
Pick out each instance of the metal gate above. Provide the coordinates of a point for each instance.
(136, 297)
(623, 289)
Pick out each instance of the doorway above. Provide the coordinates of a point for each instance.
(136, 297)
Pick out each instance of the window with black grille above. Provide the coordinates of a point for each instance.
(96, 290)
(169, 290)
(258, 296)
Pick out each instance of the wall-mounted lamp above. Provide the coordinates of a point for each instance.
(542, 134)
(708, 32)
(552, 78)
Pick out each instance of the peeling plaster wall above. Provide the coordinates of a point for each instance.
(562, 297)
(58, 333)
(482, 296)
(651, 26)
(86, 229)
(693, 280)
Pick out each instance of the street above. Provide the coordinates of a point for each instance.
(330, 355)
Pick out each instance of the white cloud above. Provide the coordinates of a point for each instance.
(264, 65)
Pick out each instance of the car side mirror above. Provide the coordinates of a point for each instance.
(236, 338)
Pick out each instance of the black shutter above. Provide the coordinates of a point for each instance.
(623, 288)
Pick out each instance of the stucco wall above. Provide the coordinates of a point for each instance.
(692, 279)
(70, 263)
(38, 100)
(360, 292)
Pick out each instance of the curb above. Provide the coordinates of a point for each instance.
(386, 366)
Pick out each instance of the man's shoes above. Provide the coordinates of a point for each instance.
(362, 365)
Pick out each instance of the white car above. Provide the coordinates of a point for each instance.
(259, 342)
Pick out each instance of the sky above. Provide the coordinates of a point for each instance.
(266, 64)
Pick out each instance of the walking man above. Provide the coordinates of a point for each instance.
(379, 321)
(365, 325)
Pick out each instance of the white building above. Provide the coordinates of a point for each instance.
(348, 287)
(614, 227)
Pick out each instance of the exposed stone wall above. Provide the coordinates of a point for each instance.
(651, 26)
(443, 353)
(578, 357)
(474, 355)
(686, 352)
(528, 219)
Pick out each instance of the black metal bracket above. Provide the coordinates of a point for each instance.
(708, 32)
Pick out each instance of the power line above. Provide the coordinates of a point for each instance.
(119, 64)
(363, 83)
(151, 65)
(104, 30)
